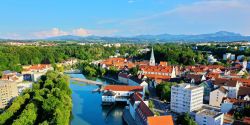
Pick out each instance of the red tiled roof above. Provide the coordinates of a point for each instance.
(123, 88)
(37, 67)
(197, 78)
(145, 109)
(163, 69)
(245, 82)
(212, 75)
(204, 68)
(160, 120)
(135, 97)
(163, 63)
(155, 76)
(244, 91)
(246, 120)
(234, 100)
(225, 82)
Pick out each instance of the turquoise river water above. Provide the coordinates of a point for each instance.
(87, 109)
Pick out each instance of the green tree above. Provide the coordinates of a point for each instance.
(164, 90)
(185, 120)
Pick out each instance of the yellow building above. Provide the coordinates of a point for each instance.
(8, 91)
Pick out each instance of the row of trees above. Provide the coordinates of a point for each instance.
(13, 57)
(176, 54)
(92, 70)
(48, 102)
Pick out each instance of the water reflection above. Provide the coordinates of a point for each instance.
(87, 109)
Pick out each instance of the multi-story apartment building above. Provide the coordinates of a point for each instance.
(8, 91)
(209, 117)
(217, 96)
(186, 98)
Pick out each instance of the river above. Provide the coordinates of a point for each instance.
(87, 109)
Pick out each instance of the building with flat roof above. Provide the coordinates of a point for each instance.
(8, 91)
(206, 116)
(186, 98)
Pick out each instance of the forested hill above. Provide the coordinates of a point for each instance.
(48, 102)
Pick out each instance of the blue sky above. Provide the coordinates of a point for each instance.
(25, 19)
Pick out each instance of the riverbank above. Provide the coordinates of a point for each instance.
(87, 108)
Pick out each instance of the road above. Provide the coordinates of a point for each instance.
(160, 106)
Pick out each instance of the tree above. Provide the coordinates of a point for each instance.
(28, 116)
(89, 71)
(242, 112)
(48, 102)
(151, 104)
(134, 70)
(185, 120)
(164, 90)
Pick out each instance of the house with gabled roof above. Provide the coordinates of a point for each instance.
(232, 103)
(244, 93)
(231, 85)
(158, 72)
(123, 77)
(217, 96)
(34, 72)
(12, 76)
(135, 81)
(195, 78)
(142, 114)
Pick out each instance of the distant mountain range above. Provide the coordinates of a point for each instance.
(222, 36)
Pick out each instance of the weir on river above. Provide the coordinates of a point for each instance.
(87, 81)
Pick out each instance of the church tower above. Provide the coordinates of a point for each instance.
(152, 58)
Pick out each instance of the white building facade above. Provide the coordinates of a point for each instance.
(186, 98)
(217, 96)
(209, 117)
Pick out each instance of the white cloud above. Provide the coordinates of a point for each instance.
(80, 32)
(58, 32)
(50, 33)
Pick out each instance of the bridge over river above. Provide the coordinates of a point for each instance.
(87, 81)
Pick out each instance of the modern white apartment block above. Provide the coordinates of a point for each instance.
(226, 56)
(8, 91)
(186, 98)
(211, 59)
(209, 117)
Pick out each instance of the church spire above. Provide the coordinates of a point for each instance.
(152, 58)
